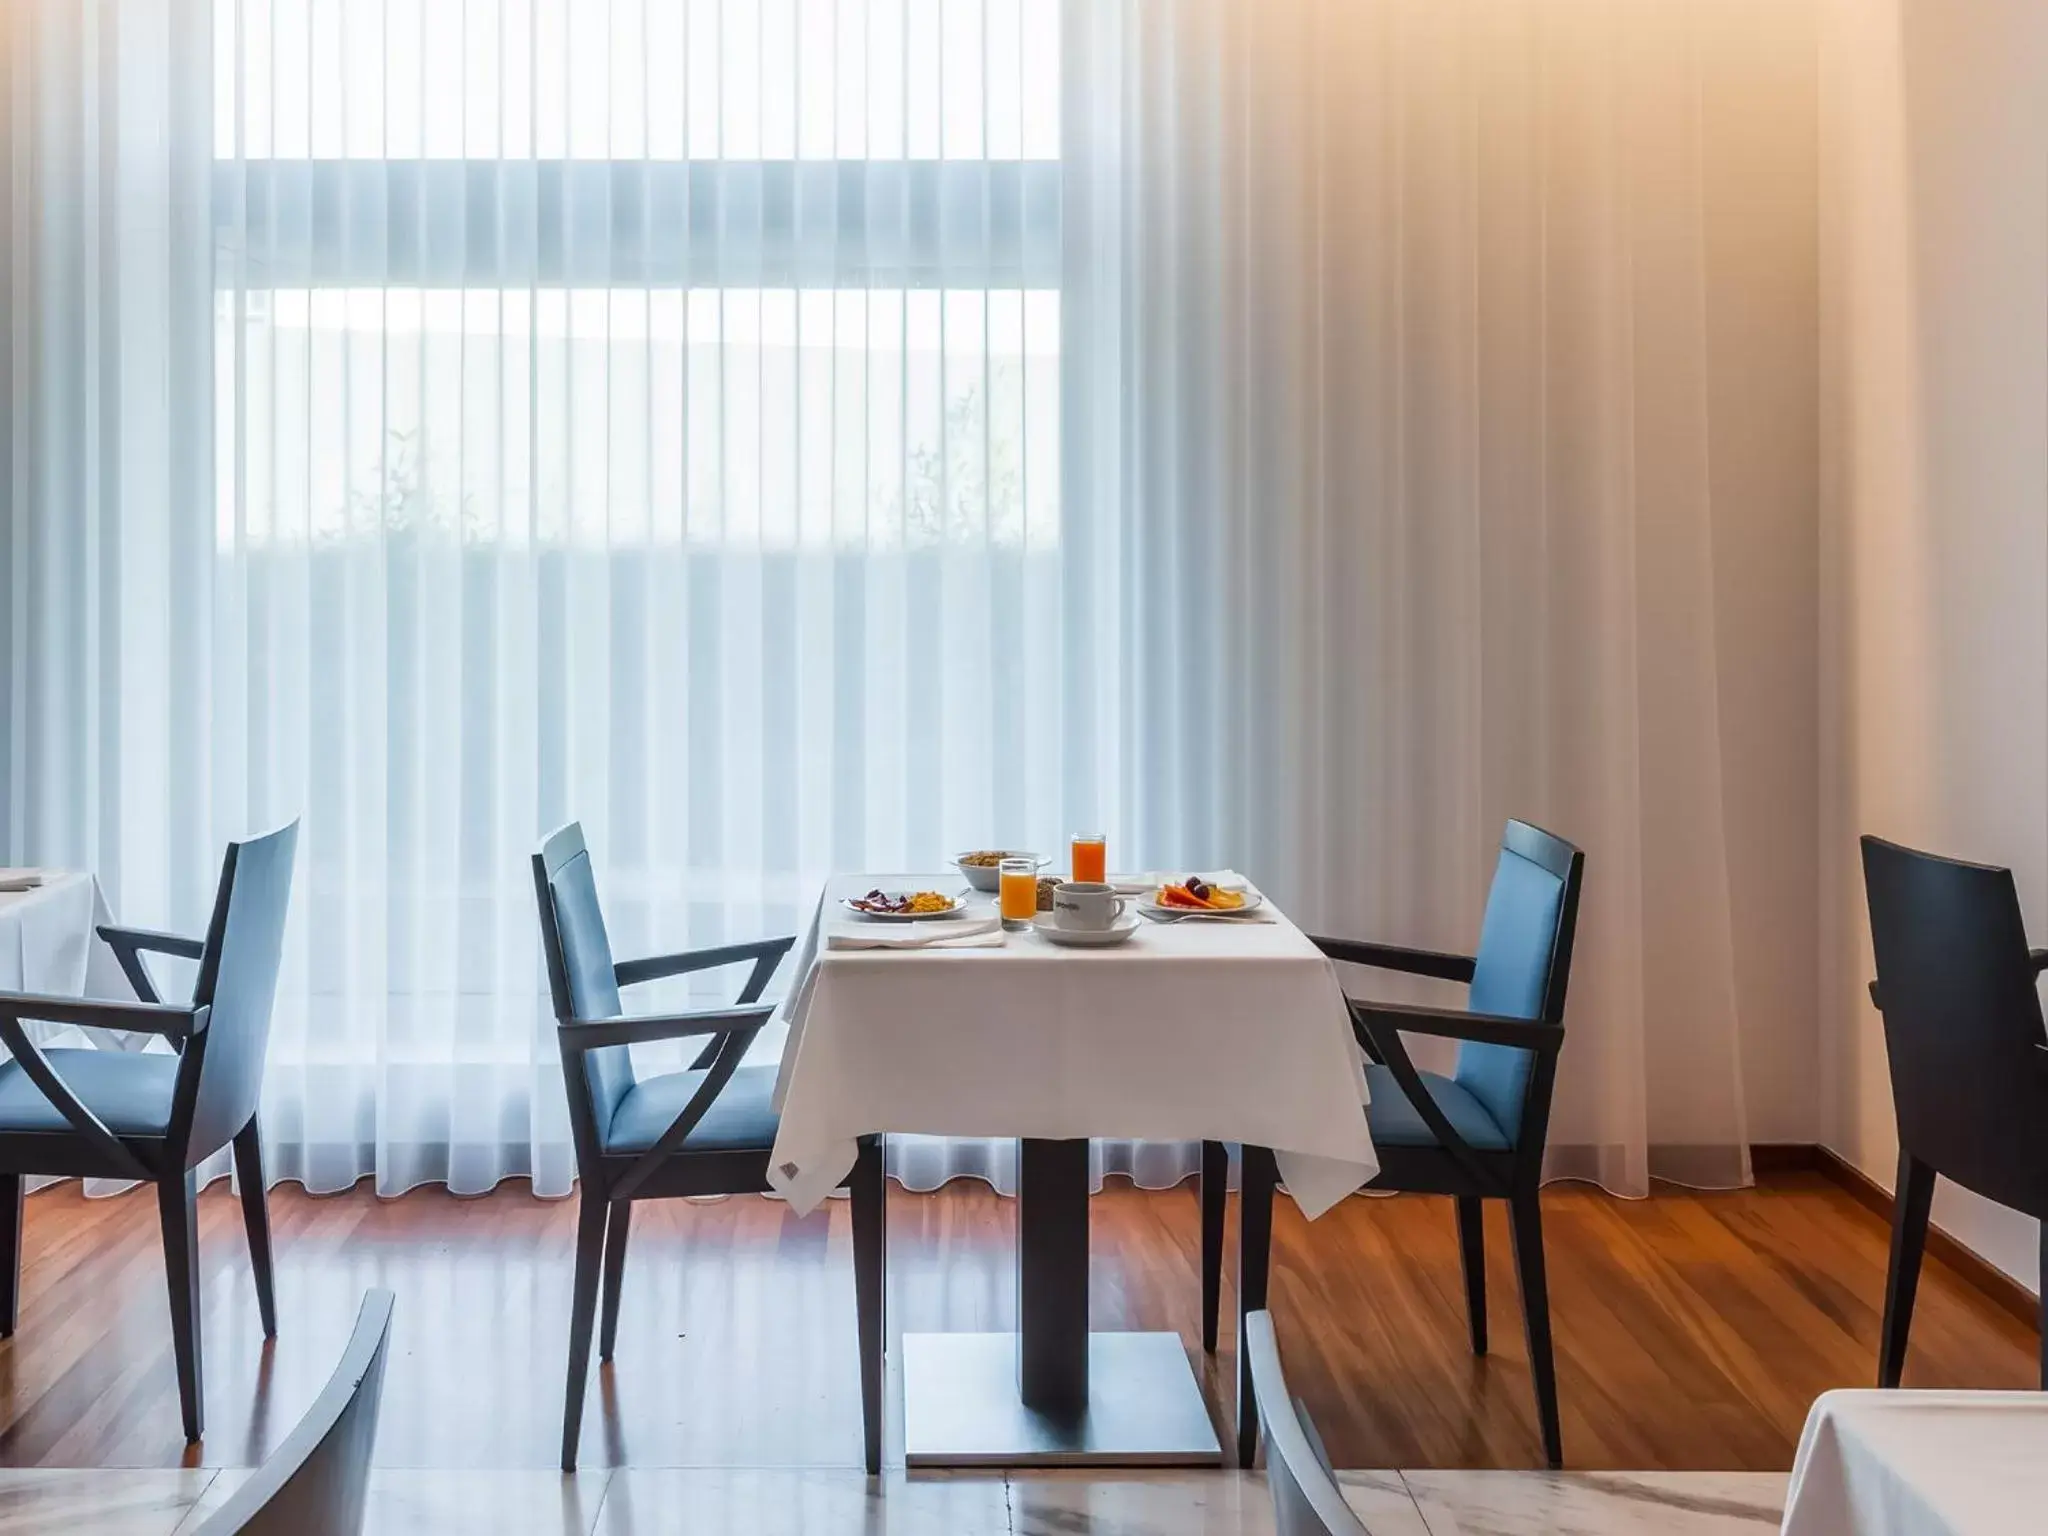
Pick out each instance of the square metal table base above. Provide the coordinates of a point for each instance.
(1145, 1409)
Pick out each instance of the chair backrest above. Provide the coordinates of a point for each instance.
(317, 1482)
(1306, 1499)
(1522, 965)
(220, 1081)
(582, 976)
(1962, 1021)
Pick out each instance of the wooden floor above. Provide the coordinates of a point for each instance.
(1692, 1330)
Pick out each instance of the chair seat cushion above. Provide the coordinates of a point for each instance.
(741, 1119)
(130, 1093)
(1395, 1123)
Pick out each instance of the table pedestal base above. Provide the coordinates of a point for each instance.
(962, 1407)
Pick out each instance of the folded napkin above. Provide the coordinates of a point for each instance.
(20, 879)
(940, 933)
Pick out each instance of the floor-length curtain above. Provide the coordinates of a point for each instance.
(645, 411)
(1435, 336)
(798, 435)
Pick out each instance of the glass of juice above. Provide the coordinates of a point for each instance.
(1017, 892)
(1090, 857)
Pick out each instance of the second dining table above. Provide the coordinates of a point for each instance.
(1231, 1030)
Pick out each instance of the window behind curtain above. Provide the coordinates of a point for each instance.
(644, 412)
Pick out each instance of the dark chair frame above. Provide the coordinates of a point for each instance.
(317, 1482)
(1970, 1078)
(168, 1162)
(1453, 1167)
(1306, 1498)
(670, 1169)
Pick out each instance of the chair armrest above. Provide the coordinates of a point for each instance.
(635, 1029)
(765, 953)
(129, 946)
(88, 1125)
(177, 1022)
(1457, 1024)
(1396, 957)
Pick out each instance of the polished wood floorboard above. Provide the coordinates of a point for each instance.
(1692, 1330)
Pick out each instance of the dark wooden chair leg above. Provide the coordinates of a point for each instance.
(617, 1231)
(870, 1289)
(11, 1187)
(1215, 1187)
(1257, 1176)
(1472, 1248)
(256, 1220)
(1910, 1207)
(590, 1223)
(177, 1204)
(1525, 1226)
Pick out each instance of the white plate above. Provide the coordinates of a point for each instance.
(1149, 904)
(959, 906)
(1086, 938)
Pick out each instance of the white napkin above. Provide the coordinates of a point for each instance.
(20, 879)
(940, 933)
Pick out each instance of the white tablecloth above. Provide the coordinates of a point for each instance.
(1921, 1464)
(48, 943)
(1189, 1031)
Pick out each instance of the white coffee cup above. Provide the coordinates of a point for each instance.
(1086, 906)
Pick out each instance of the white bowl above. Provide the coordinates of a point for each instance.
(989, 877)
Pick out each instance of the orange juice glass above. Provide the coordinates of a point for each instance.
(1091, 857)
(1017, 892)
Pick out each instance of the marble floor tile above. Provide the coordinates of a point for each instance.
(798, 1503)
(1599, 1503)
(1107, 1503)
(1382, 1500)
(224, 1483)
(115, 1502)
(404, 1502)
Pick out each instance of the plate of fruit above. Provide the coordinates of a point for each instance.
(905, 906)
(1196, 897)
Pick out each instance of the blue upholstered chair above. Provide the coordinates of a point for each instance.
(1477, 1134)
(1306, 1498)
(156, 1117)
(704, 1131)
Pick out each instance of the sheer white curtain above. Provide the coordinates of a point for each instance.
(796, 435)
(1451, 363)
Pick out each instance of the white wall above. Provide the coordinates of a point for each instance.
(1934, 536)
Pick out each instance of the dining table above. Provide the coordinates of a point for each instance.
(50, 943)
(1920, 1463)
(1204, 1029)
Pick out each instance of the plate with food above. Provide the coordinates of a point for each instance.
(982, 867)
(1196, 897)
(904, 906)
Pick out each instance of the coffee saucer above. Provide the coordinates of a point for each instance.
(1086, 938)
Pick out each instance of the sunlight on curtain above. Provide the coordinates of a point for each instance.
(639, 412)
(809, 435)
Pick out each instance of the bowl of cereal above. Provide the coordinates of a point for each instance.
(982, 866)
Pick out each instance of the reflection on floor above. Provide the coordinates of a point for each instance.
(1693, 1331)
(773, 1502)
